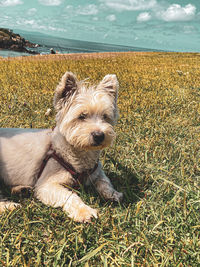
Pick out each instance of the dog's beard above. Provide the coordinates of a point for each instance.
(80, 136)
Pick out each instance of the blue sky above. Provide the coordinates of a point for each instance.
(168, 24)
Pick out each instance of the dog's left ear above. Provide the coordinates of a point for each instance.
(66, 87)
(110, 83)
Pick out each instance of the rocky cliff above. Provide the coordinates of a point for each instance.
(13, 41)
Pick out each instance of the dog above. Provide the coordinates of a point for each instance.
(54, 161)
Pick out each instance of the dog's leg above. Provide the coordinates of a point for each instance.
(56, 195)
(105, 188)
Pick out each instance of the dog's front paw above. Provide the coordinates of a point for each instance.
(117, 196)
(83, 214)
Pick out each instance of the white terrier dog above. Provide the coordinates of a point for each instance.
(54, 161)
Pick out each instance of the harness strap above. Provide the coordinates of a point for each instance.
(79, 177)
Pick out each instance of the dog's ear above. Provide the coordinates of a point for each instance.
(66, 87)
(110, 83)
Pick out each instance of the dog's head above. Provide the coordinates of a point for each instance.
(86, 114)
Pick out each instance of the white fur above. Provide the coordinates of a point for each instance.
(22, 150)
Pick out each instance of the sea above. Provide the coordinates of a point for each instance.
(46, 42)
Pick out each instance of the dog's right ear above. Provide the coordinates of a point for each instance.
(66, 87)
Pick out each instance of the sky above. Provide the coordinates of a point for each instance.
(172, 25)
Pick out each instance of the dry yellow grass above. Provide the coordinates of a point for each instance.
(155, 162)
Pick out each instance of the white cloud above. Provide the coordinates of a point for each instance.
(188, 29)
(31, 11)
(31, 22)
(81, 10)
(130, 5)
(111, 17)
(176, 12)
(50, 2)
(142, 17)
(88, 10)
(37, 25)
(5, 3)
(51, 28)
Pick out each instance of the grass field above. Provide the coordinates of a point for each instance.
(155, 162)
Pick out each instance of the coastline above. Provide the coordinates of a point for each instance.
(94, 55)
(42, 44)
(77, 56)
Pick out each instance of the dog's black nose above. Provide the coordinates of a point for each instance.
(98, 137)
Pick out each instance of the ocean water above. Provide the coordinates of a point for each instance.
(66, 46)
(105, 25)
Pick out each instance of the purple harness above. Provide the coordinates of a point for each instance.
(79, 177)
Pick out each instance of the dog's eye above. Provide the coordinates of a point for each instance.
(82, 116)
(105, 116)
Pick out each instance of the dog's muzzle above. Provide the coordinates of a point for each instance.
(98, 137)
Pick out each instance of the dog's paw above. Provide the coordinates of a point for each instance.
(117, 196)
(23, 191)
(7, 205)
(83, 214)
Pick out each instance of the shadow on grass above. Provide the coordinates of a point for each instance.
(4, 191)
(126, 181)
